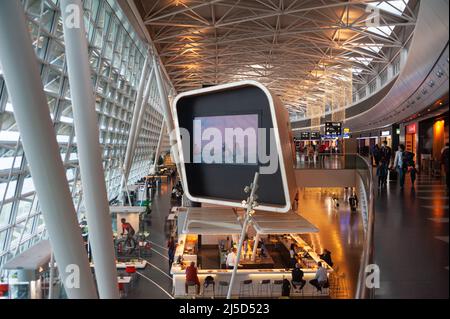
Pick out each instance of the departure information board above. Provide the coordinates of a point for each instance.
(333, 129)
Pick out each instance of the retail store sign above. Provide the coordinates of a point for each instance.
(411, 129)
(385, 133)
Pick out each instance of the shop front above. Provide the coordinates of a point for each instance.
(433, 134)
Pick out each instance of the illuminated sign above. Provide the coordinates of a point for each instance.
(315, 135)
(304, 135)
(385, 133)
(411, 129)
(333, 129)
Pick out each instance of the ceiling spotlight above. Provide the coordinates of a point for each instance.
(431, 83)
(439, 73)
(424, 91)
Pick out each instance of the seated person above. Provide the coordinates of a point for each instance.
(297, 277)
(321, 279)
(326, 257)
(191, 276)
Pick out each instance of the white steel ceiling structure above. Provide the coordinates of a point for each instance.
(295, 47)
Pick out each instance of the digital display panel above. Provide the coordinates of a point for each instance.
(333, 129)
(315, 135)
(304, 135)
(228, 139)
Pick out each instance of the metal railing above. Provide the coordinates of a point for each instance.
(362, 290)
(363, 169)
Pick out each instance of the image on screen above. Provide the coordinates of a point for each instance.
(227, 139)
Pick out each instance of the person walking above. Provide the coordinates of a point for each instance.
(384, 159)
(399, 165)
(171, 247)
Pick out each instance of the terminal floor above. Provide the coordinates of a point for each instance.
(340, 231)
(411, 239)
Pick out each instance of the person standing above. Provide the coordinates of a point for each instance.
(292, 255)
(384, 158)
(231, 259)
(444, 162)
(171, 246)
(399, 165)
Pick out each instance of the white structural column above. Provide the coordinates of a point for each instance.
(167, 112)
(89, 153)
(137, 106)
(158, 148)
(31, 112)
(140, 120)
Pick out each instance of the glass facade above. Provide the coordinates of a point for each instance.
(117, 57)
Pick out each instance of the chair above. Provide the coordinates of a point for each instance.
(190, 284)
(264, 287)
(131, 271)
(223, 286)
(246, 288)
(209, 286)
(277, 284)
(122, 292)
(302, 290)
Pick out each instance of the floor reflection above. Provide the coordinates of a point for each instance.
(341, 231)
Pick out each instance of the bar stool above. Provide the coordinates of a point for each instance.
(277, 284)
(190, 284)
(246, 288)
(211, 286)
(264, 286)
(324, 289)
(223, 285)
(302, 290)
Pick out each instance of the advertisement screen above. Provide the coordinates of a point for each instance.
(228, 139)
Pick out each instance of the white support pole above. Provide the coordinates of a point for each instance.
(51, 277)
(32, 115)
(140, 120)
(247, 216)
(255, 246)
(89, 152)
(128, 153)
(167, 112)
(158, 149)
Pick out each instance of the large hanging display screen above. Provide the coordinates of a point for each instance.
(227, 139)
